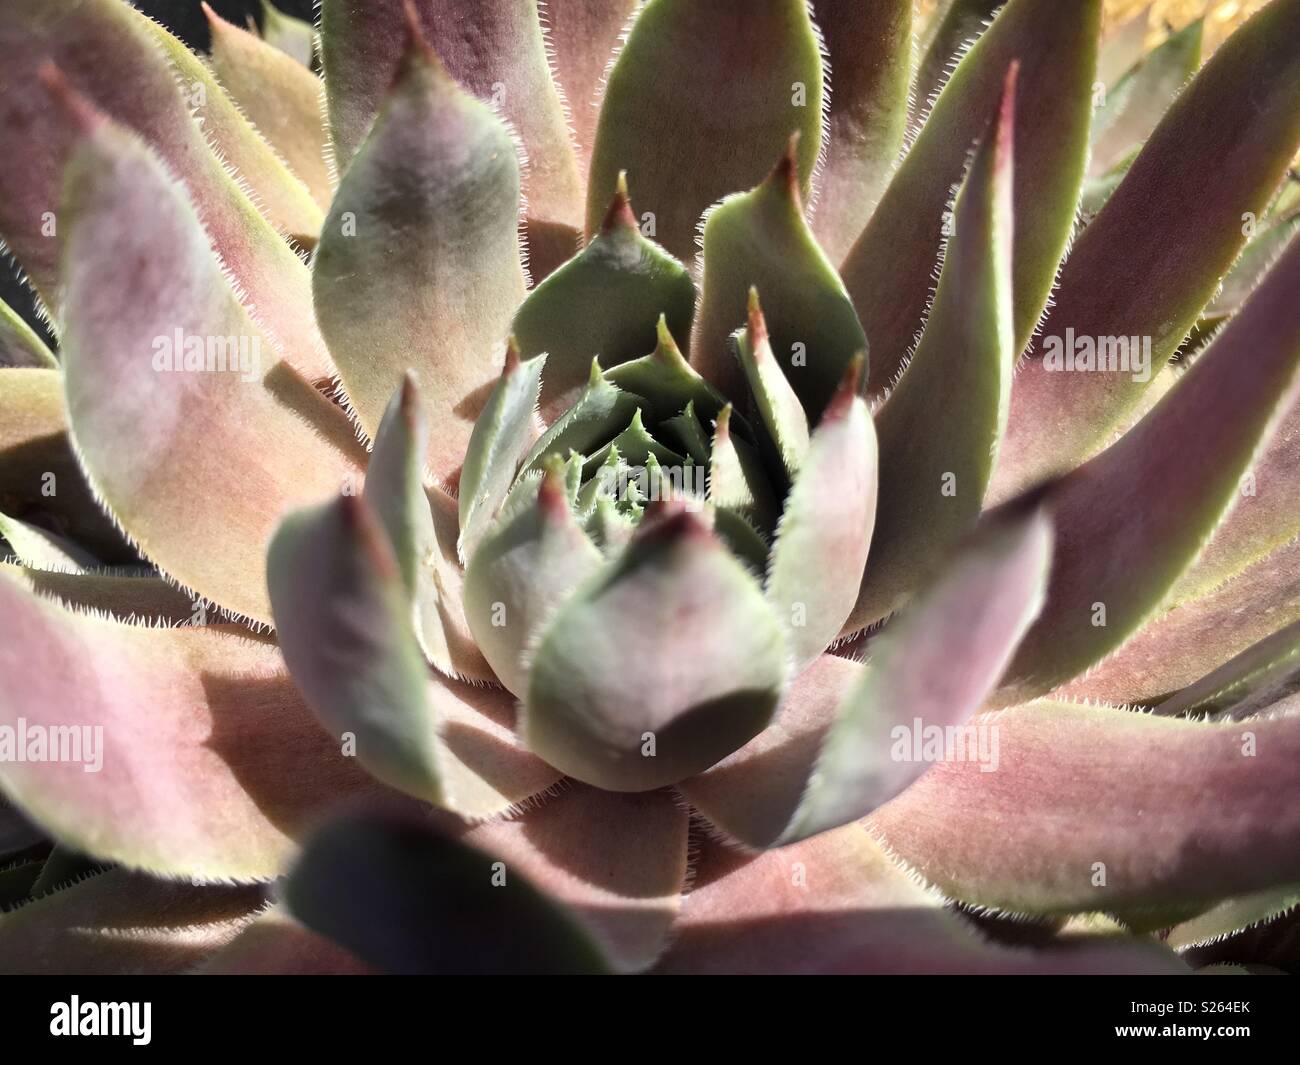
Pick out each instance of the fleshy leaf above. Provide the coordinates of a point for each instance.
(617, 861)
(837, 903)
(1180, 469)
(584, 35)
(126, 596)
(662, 663)
(1247, 682)
(1254, 261)
(209, 765)
(345, 624)
(636, 444)
(700, 97)
(666, 380)
(1176, 812)
(759, 239)
(280, 195)
(888, 272)
(825, 530)
(780, 409)
(418, 265)
(737, 481)
(498, 53)
(934, 470)
(623, 282)
(1183, 644)
(1143, 269)
(280, 95)
(502, 436)
(407, 898)
(953, 28)
(120, 923)
(599, 413)
(40, 481)
(521, 573)
(149, 392)
(93, 43)
(19, 344)
(292, 36)
(1134, 106)
(870, 48)
(1234, 916)
(277, 945)
(42, 549)
(834, 752)
(344, 621)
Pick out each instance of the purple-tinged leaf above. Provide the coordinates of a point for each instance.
(1143, 269)
(344, 620)
(119, 923)
(618, 862)
(760, 240)
(1184, 643)
(1179, 470)
(127, 596)
(836, 903)
(183, 397)
(846, 741)
(889, 271)
(934, 470)
(662, 663)
(700, 99)
(93, 43)
(824, 533)
(208, 764)
(409, 898)
(495, 51)
(1158, 812)
(418, 265)
(584, 36)
(1248, 682)
(870, 47)
(277, 945)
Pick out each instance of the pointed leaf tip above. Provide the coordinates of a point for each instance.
(619, 215)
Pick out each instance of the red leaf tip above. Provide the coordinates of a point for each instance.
(619, 215)
(849, 388)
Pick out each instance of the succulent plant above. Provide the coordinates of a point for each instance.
(424, 560)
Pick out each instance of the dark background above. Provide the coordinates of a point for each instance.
(184, 18)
